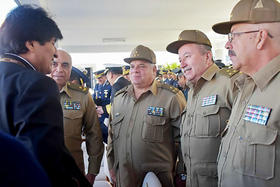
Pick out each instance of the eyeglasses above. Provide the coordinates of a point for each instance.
(231, 35)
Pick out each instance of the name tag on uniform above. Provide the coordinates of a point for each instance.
(257, 114)
(69, 105)
(155, 111)
(209, 100)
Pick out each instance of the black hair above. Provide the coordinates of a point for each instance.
(26, 23)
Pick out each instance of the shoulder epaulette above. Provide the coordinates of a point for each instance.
(228, 71)
(77, 87)
(168, 87)
(121, 90)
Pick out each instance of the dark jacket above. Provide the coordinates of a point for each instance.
(121, 83)
(30, 110)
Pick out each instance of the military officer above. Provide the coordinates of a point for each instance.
(101, 97)
(115, 78)
(144, 126)
(126, 70)
(78, 77)
(249, 153)
(79, 115)
(209, 105)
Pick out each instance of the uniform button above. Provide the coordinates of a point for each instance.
(127, 136)
(185, 154)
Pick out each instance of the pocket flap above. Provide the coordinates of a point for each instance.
(210, 110)
(117, 119)
(155, 120)
(72, 114)
(260, 134)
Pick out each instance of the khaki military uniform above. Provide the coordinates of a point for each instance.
(79, 113)
(143, 134)
(249, 154)
(208, 109)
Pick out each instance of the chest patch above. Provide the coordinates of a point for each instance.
(155, 111)
(209, 100)
(69, 105)
(257, 114)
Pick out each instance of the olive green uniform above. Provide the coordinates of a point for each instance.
(80, 115)
(209, 107)
(249, 154)
(144, 134)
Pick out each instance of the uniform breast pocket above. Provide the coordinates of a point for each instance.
(153, 128)
(255, 151)
(72, 122)
(208, 122)
(116, 126)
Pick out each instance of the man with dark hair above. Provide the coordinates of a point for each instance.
(30, 108)
(116, 80)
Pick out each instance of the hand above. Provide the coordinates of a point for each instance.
(99, 111)
(90, 178)
(113, 176)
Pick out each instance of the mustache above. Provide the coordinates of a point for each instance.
(231, 53)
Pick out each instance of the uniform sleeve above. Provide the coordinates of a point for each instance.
(94, 144)
(178, 105)
(39, 120)
(110, 151)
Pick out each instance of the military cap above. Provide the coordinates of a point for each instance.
(164, 71)
(126, 70)
(142, 53)
(250, 11)
(75, 72)
(99, 73)
(113, 69)
(186, 37)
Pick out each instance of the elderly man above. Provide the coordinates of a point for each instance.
(29, 101)
(209, 105)
(79, 115)
(249, 154)
(144, 126)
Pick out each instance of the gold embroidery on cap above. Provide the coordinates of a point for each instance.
(259, 4)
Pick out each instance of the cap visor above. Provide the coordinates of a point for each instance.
(225, 27)
(129, 60)
(174, 46)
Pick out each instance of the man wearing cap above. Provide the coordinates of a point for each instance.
(78, 77)
(249, 154)
(126, 70)
(116, 80)
(101, 97)
(209, 105)
(144, 127)
(79, 115)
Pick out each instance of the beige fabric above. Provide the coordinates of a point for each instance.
(84, 119)
(202, 125)
(249, 154)
(188, 36)
(251, 11)
(142, 53)
(138, 142)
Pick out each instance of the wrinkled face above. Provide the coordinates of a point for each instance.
(44, 55)
(101, 80)
(61, 68)
(193, 62)
(240, 48)
(142, 73)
